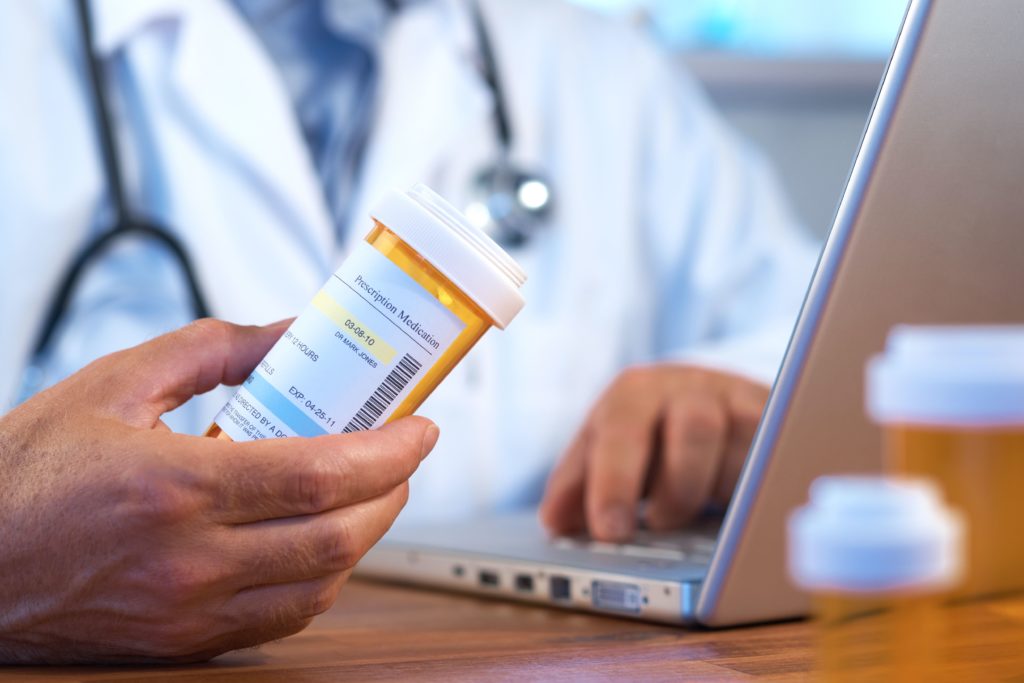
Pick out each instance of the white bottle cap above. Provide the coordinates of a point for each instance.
(949, 375)
(460, 250)
(866, 534)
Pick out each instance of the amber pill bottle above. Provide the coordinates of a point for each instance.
(950, 400)
(879, 557)
(403, 309)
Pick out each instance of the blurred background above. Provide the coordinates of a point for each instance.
(797, 77)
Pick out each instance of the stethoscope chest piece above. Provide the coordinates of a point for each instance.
(509, 203)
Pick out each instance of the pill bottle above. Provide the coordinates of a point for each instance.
(951, 403)
(879, 557)
(400, 312)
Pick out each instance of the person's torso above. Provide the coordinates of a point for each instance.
(215, 154)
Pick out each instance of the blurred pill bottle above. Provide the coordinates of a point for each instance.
(879, 557)
(404, 308)
(951, 402)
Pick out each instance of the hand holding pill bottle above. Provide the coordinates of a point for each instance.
(879, 556)
(951, 402)
(403, 309)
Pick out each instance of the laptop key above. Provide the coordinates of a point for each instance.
(626, 549)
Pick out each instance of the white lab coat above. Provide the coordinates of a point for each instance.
(670, 241)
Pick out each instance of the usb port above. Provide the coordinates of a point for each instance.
(524, 583)
(488, 579)
(561, 588)
(618, 597)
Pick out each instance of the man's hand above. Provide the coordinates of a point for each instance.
(677, 434)
(122, 541)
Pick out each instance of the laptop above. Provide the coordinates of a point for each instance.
(930, 229)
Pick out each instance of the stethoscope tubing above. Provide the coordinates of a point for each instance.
(124, 223)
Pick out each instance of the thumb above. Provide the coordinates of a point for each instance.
(160, 375)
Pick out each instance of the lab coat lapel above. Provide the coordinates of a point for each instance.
(430, 95)
(231, 90)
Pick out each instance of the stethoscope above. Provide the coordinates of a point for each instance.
(508, 202)
(126, 223)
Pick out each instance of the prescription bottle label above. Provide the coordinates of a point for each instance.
(344, 365)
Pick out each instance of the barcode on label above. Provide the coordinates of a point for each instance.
(385, 395)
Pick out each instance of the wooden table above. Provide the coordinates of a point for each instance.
(380, 632)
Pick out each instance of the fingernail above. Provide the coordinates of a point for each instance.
(430, 435)
(280, 323)
(616, 522)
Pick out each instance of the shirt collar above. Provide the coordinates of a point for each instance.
(118, 20)
(363, 21)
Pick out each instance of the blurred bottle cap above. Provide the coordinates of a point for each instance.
(971, 376)
(874, 534)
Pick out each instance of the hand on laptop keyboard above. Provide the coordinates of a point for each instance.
(675, 435)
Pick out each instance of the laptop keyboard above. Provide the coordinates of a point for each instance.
(662, 548)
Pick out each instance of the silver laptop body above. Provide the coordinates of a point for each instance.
(930, 230)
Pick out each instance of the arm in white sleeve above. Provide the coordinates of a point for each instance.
(731, 264)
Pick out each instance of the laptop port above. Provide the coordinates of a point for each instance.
(617, 597)
(524, 583)
(488, 579)
(560, 587)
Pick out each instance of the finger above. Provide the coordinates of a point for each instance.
(745, 407)
(142, 383)
(561, 509)
(263, 613)
(619, 452)
(694, 432)
(729, 472)
(300, 548)
(273, 478)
